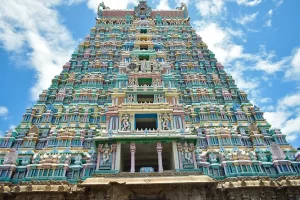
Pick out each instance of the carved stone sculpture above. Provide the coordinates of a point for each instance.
(125, 122)
(165, 122)
(11, 157)
(277, 152)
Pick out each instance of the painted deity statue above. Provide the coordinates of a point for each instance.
(78, 160)
(125, 122)
(11, 157)
(188, 161)
(157, 65)
(131, 98)
(106, 152)
(143, 65)
(156, 82)
(132, 82)
(102, 5)
(160, 98)
(253, 129)
(165, 122)
(184, 8)
(212, 157)
(198, 152)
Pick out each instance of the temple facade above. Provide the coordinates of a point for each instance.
(144, 111)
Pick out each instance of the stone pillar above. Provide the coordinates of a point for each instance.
(225, 169)
(114, 148)
(118, 156)
(159, 149)
(175, 155)
(194, 155)
(27, 173)
(194, 158)
(132, 151)
(108, 123)
(179, 148)
(98, 157)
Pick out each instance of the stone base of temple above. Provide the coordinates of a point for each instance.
(144, 187)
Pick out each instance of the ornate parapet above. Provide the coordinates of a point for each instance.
(165, 185)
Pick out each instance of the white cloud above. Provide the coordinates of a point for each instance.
(219, 40)
(247, 18)
(286, 116)
(270, 67)
(35, 27)
(289, 101)
(264, 61)
(12, 127)
(210, 7)
(268, 23)
(277, 119)
(244, 83)
(72, 2)
(294, 72)
(163, 5)
(270, 13)
(278, 2)
(186, 2)
(113, 4)
(292, 127)
(249, 2)
(3, 111)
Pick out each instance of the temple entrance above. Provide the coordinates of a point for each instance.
(168, 157)
(125, 158)
(146, 157)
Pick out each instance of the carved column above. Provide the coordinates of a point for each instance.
(118, 156)
(132, 151)
(193, 155)
(108, 123)
(175, 155)
(159, 149)
(179, 148)
(114, 148)
(98, 157)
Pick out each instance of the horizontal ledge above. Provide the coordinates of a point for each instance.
(148, 180)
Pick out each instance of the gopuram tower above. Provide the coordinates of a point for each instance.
(144, 111)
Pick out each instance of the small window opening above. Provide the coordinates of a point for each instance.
(146, 57)
(145, 81)
(145, 98)
(144, 47)
(146, 121)
(143, 31)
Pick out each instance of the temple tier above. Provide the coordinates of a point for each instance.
(143, 110)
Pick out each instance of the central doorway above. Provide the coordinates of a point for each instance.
(146, 156)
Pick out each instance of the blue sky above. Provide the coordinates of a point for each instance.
(258, 42)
